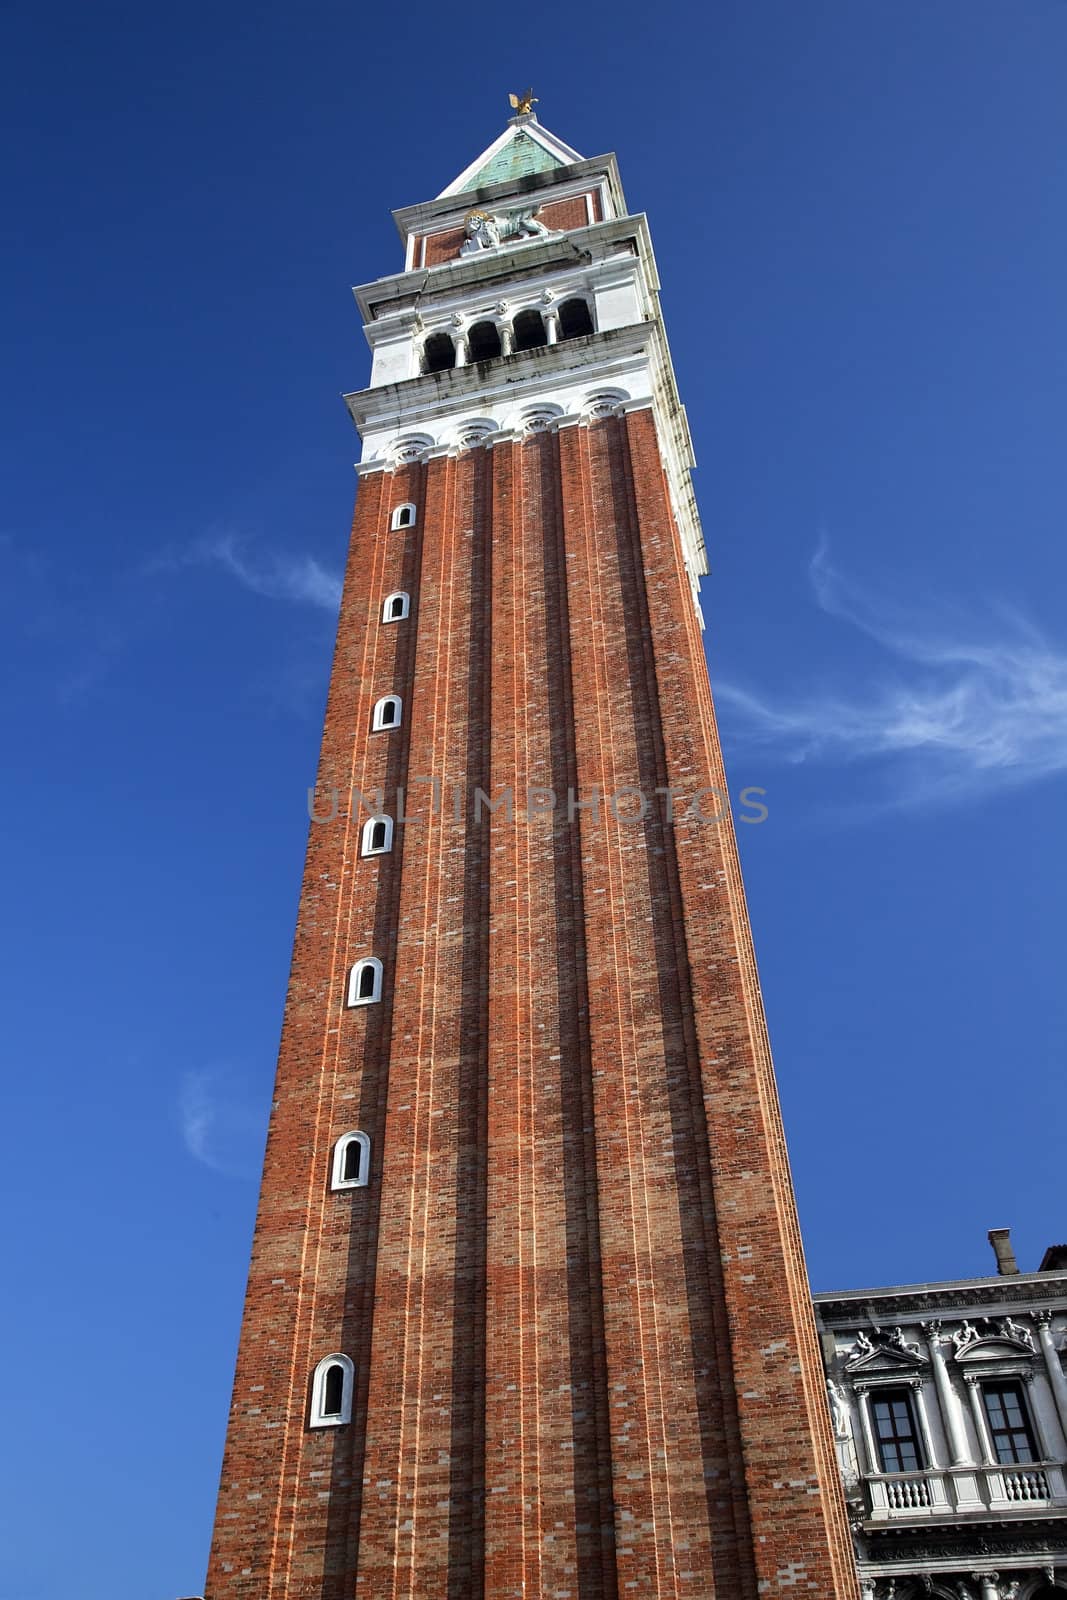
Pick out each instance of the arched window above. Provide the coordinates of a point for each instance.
(439, 353)
(386, 713)
(574, 319)
(396, 606)
(351, 1162)
(529, 330)
(377, 838)
(331, 1392)
(403, 516)
(483, 341)
(365, 983)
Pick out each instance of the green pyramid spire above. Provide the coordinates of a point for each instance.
(520, 156)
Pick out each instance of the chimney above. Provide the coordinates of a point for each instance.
(1054, 1259)
(1000, 1239)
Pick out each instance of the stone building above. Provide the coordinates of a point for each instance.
(949, 1405)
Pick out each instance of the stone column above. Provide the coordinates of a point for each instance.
(1053, 1365)
(988, 1584)
(1044, 1444)
(874, 1461)
(949, 1402)
(980, 1423)
(924, 1425)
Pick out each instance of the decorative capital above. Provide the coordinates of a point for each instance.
(1043, 1317)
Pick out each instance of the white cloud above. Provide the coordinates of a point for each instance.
(220, 1124)
(276, 575)
(968, 705)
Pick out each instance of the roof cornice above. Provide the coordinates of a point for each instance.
(1012, 1289)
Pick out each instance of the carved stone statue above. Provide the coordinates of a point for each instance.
(963, 1336)
(862, 1346)
(486, 230)
(896, 1341)
(838, 1409)
(482, 233)
(1016, 1331)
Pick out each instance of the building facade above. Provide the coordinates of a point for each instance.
(527, 1312)
(949, 1403)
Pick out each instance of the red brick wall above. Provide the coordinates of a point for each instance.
(574, 1289)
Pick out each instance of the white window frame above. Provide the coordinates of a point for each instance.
(340, 1150)
(367, 846)
(318, 1418)
(399, 520)
(380, 726)
(354, 998)
(405, 609)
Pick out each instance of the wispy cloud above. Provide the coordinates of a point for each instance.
(221, 1125)
(969, 705)
(277, 575)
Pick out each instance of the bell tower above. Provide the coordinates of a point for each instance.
(527, 1314)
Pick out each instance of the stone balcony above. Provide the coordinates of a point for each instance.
(949, 1492)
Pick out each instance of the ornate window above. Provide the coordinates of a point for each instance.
(351, 1162)
(529, 330)
(1009, 1424)
(575, 318)
(377, 836)
(386, 713)
(895, 1432)
(396, 606)
(483, 341)
(403, 516)
(331, 1392)
(439, 353)
(365, 982)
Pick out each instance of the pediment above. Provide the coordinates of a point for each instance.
(996, 1348)
(884, 1358)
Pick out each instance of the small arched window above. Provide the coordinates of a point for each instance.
(386, 713)
(351, 1162)
(483, 341)
(377, 837)
(403, 516)
(575, 319)
(529, 330)
(365, 983)
(331, 1392)
(439, 353)
(396, 606)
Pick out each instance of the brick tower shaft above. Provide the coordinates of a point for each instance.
(543, 1328)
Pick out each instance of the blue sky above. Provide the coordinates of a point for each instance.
(858, 210)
